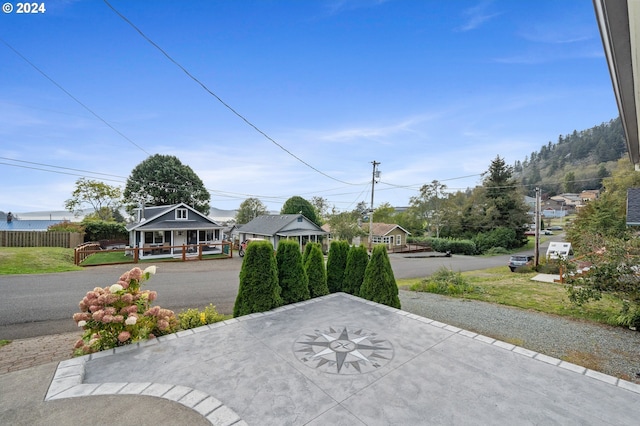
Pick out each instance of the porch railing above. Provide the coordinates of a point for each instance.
(184, 252)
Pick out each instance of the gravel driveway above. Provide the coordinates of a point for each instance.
(611, 350)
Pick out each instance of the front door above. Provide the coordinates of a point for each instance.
(192, 237)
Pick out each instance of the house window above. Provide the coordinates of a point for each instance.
(210, 235)
(182, 214)
(156, 237)
(398, 240)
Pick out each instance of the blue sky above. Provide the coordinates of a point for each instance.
(430, 89)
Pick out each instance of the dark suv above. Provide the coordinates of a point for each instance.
(519, 260)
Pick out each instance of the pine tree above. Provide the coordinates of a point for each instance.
(336, 264)
(357, 260)
(259, 289)
(291, 275)
(379, 283)
(316, 272)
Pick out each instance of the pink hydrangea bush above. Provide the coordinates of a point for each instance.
(121, 314)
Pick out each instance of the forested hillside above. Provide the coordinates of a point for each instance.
(576, 162)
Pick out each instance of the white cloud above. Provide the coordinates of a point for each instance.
(476, 16)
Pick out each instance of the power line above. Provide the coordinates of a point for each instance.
(57, 167)
(226, 105)
(53, 171)
(73, 97)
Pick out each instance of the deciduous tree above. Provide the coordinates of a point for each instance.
(164, 180)
(298, 205)
(104, 199)
(249, 210)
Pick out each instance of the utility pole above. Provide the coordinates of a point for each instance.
(537, 245)
(374, 175)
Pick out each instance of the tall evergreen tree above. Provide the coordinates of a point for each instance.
(291, 275)
(336, 264)
(379, 284)
(259, 290)
(307, 250)
(316, 271)
(357, 260)
(505, 202)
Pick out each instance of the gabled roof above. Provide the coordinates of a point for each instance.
(383, 229)
(273, 224)
(151, 215)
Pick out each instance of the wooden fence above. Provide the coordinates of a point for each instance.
(160, 253)
(81, 252)
(40, 239)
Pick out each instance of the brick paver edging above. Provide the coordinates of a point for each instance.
(67, 381)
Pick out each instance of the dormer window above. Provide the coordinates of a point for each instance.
(182, 214)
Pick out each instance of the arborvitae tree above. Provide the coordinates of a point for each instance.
(291, 275)
(379, 283)
(259, 289)
(336, 264)
(357, 260)
(316, 272)
(307, 250)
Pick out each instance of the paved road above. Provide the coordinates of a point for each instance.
(37, 305)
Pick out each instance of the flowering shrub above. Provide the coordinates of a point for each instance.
(121, 314)
(192, 318)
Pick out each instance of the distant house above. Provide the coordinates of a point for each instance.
(276, 227)
(164, 230)
(589, 195)
(11, 223)
(568, 200)
(387, 233)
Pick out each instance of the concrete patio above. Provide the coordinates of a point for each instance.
(339, 359)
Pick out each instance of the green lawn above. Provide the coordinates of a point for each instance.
(501, 286)
(35, 260)
(42, 260)
(114, 257)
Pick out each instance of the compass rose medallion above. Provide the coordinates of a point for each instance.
(343, 350)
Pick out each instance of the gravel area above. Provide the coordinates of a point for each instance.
(611, 350)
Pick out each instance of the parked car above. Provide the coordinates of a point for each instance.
(547, 232)
(530, 233)
(555, 228)
(516, 261)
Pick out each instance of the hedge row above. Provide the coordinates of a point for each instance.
(268, 281)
